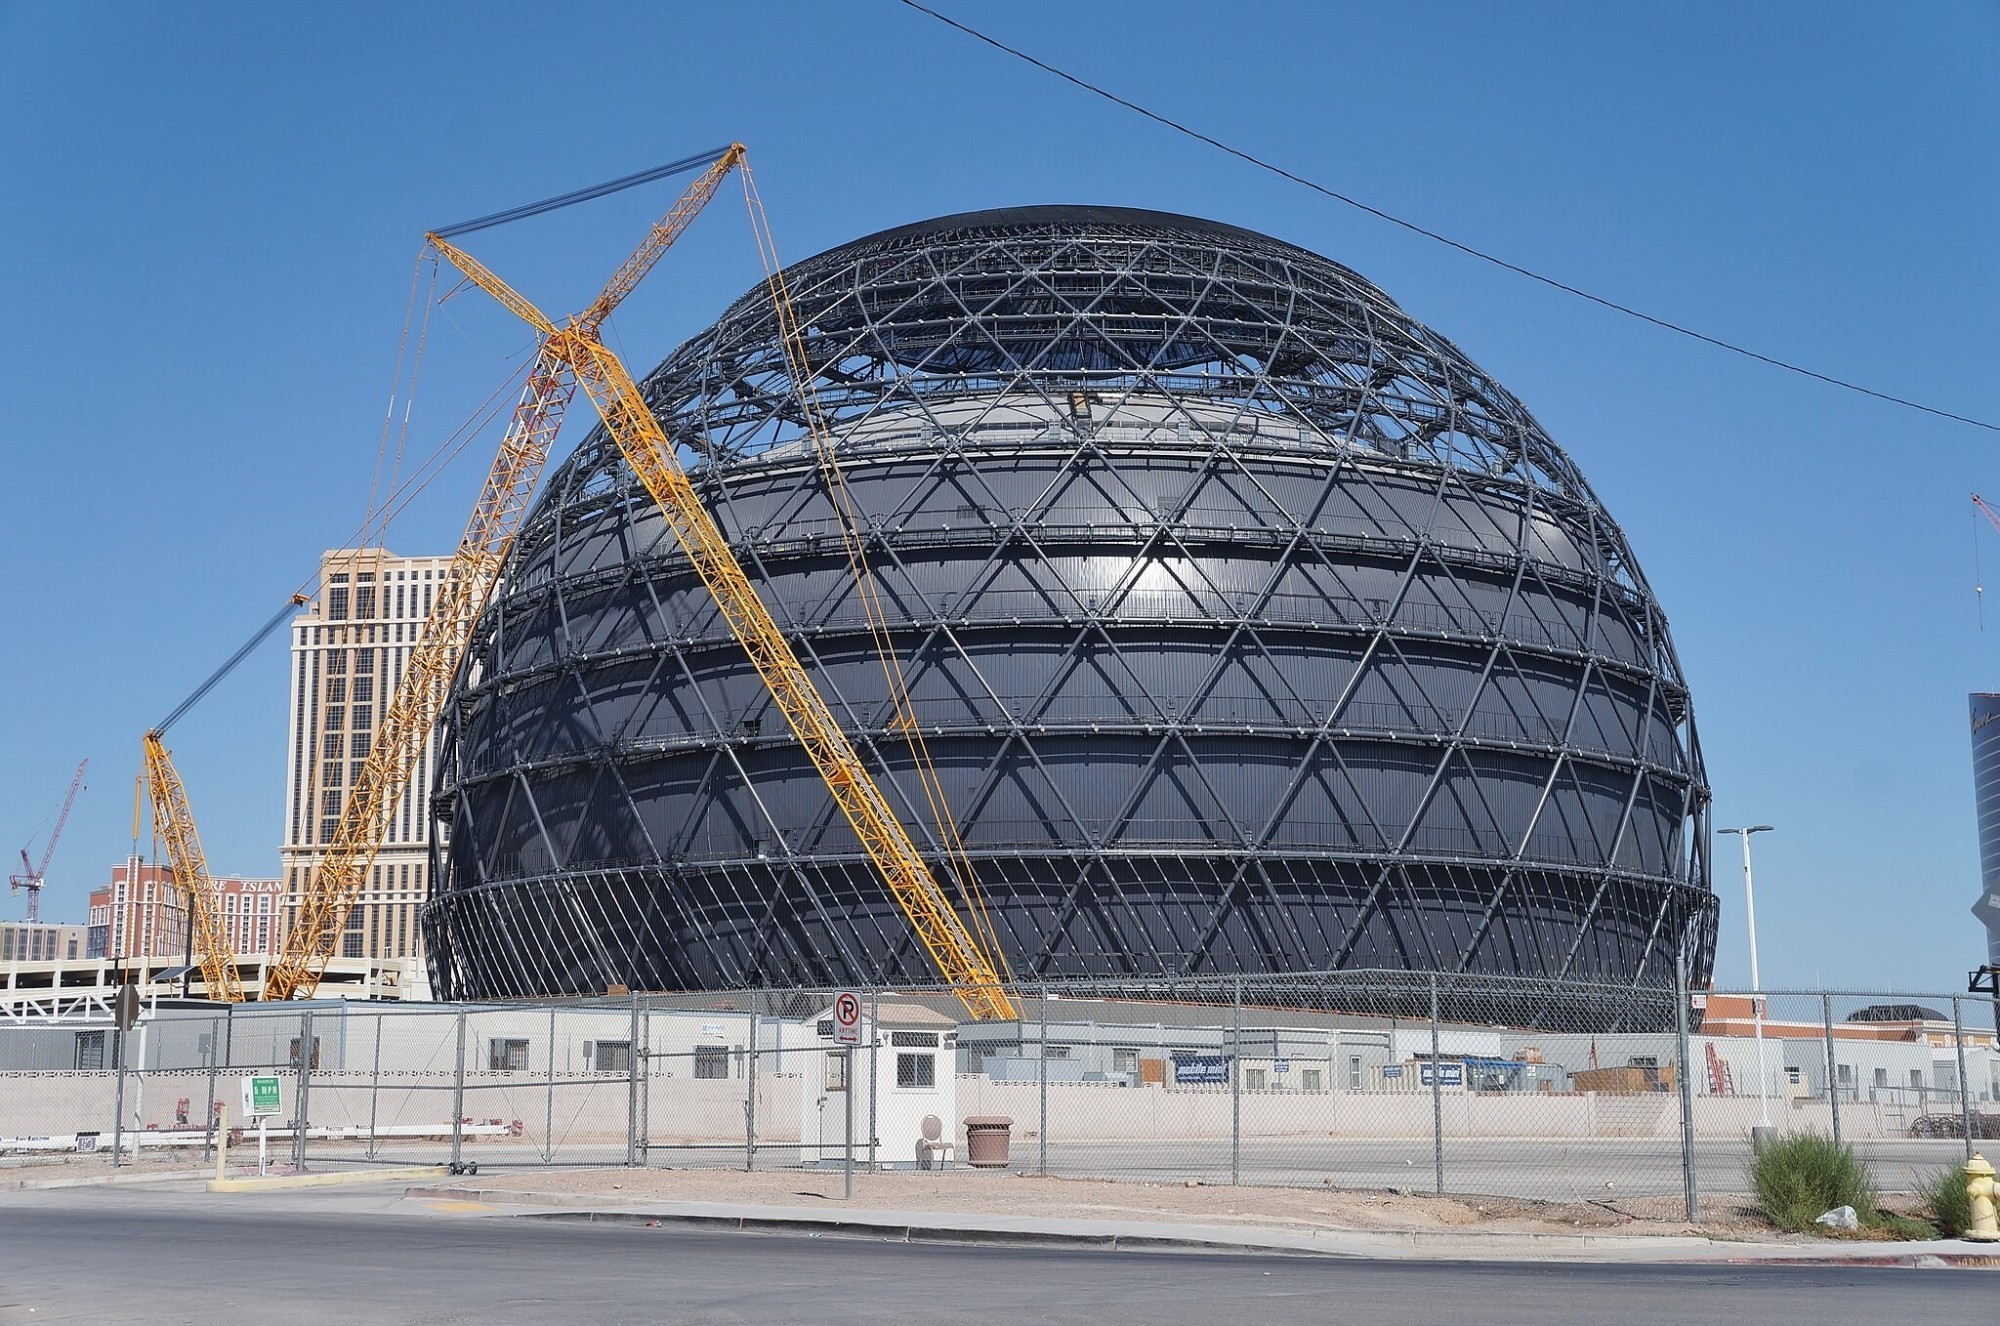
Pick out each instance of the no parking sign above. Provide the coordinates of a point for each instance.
(847, 1018)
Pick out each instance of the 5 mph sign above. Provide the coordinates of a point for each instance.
(847, 1018)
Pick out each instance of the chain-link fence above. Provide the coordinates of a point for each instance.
(1471, 1086)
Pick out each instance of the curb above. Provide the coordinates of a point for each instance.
(1336, 1244)
(895, 1232)
(270, 1182)
(1111, 1241)
(114, 1178)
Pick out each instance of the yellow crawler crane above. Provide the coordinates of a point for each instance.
(954, 949)
(173, 818)
(336, 882)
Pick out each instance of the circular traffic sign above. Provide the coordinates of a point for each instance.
(847, 1010)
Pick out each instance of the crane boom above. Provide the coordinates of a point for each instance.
(953, 949)
(31, 878)
(336, 882)
(407, 721)
(174, 819)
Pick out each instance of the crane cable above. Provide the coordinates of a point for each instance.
(866, 583)
(1664, 324)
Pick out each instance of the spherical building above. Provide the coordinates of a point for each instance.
(1252, 629)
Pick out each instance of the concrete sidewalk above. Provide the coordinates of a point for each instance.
(971, 1227)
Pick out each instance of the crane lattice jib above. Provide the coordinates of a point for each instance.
(954, 951)
(633, 270)
(175, 822)
(337, 882)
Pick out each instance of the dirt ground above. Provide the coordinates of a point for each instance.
(968, 1191)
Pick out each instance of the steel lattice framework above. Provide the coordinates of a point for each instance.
(1252, 628)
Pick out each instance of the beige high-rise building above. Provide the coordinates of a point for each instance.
(348, 651)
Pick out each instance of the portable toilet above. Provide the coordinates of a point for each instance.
(904, 1069)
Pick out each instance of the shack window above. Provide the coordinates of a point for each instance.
(711, 1061)
(506, 1055)
(916, 1070)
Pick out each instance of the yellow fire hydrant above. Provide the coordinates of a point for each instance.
(1979, 1190)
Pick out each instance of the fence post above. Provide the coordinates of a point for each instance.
(458, 1098)
(549, 1104)
(209, 1124)
(375, 1085)
(633, 1053)
(305, 1091)
(750, 1093)
(874, 1070)
(1832, 1068)
(118, 1101)
(1437, 1092)
(1964, 1084)
(1042, 1072)
(1686, 1083)
(1235, 1062)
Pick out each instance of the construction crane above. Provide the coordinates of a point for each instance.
(335, 883)
(173, 819)
(954, 949)
(31, 875)
(1978, 580)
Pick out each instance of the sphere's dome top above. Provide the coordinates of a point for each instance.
(1116, 302)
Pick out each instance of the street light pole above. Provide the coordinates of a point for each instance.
(1756, 998)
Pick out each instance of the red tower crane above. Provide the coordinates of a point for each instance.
(31, 876)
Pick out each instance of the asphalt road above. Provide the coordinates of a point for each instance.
(336, 1256)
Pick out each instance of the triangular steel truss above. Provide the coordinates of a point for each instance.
(1252, 628)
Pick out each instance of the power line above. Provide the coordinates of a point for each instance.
(1482, 255)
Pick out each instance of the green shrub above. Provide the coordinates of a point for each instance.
(1944, 1197)
(1801, 1175)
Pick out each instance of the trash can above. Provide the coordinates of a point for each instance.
(986, 1137)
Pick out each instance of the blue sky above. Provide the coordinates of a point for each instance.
(212, 213)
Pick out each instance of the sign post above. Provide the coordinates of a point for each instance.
(262, 1098)
(847, 1032)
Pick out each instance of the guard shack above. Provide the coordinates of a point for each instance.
(904, 1070)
